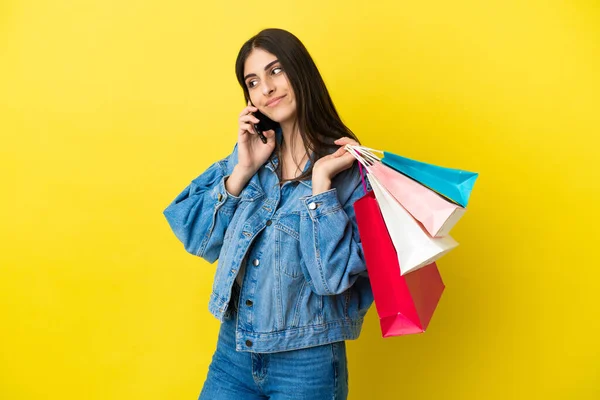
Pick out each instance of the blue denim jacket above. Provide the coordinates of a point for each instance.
(304, 279)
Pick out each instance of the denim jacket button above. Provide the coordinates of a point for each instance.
(220, 197)
(256, 262)
(269, 222)
(249, 303)
(249, 343)
(312, 206)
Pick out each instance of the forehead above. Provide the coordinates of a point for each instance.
(256, 61)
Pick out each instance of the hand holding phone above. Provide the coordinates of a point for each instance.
(265, 124)
(252, 154)
(259, 128)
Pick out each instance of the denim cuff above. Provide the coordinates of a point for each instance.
(225, 201)
(322, 203)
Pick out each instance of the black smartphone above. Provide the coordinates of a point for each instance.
(265, 123)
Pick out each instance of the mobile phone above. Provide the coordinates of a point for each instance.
(265, 123)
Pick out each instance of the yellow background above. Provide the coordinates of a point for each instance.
(109, 108)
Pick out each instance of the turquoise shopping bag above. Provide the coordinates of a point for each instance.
(455, 184)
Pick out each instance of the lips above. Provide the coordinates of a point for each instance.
(274, 101)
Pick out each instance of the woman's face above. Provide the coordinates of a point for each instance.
(269, 87)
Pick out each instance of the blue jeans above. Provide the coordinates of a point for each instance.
(313, 373)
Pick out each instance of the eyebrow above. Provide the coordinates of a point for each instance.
(266, 68)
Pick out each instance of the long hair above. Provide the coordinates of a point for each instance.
(317, 119)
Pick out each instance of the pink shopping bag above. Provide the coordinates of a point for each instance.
(437, 215)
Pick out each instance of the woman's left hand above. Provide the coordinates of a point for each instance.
(329, 166)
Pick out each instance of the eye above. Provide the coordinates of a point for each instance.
(251, 84)
(279, 69)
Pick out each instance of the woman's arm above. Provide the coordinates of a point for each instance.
(332, 256)
(200, 214)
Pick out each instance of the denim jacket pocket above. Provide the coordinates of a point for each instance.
(288, 244)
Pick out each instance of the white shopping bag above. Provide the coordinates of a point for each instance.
(415, 248)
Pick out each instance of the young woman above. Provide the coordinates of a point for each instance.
(291, 284)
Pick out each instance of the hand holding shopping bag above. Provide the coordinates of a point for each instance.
(437, 214)
(405, 302)
(414, 247)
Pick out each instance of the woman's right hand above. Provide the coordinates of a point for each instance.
(252, 152)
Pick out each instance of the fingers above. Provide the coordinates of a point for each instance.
(343, 155)
(270, 135)
(249, 118)
(248, 128)
(248, 110)
(345, 140)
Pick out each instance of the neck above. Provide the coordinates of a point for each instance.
(292, 141)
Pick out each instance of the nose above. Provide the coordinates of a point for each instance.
(268, 88)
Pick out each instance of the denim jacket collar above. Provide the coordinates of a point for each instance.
(274, 160)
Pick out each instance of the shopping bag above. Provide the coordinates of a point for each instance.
(404, 304)
(414, 247)
(455, 184)
(437, 214)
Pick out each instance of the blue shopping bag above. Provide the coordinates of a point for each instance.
(455, 184)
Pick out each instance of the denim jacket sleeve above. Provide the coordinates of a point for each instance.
(329, 240)
(200, 214)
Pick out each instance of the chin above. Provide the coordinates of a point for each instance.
(282, 113)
